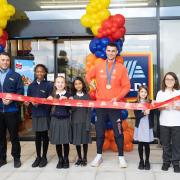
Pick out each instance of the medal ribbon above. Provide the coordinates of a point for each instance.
(109, 74)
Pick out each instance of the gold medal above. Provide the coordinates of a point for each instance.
(108, 86)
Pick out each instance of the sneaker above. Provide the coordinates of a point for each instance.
(17, 163)
(2, 162)
(165, 166)
(60, 163)
(96, 162)
(43, 162)
(78, 162)
(84, 162)
(36, 162)
(141, 165)
(147, 165)
(122, 162)
(176, 168)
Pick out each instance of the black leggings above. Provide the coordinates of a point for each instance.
(59, 150)
(85, 149)
(140, 150)
(42, 137)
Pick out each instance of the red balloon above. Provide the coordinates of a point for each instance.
(119, 19)
(3, 42)
(117, 35)
(4, 35)
(107, 24)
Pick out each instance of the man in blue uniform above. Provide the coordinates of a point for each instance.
(10, 82)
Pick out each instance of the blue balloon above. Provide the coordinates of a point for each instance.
(99, 47)
(1, 48)
(105, 41)
(98, 54)
(96, 41)
(123, 114)
(103, 55)
(92, 46)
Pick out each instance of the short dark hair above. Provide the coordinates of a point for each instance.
(176, 85)
(4, 54)
(112, 44)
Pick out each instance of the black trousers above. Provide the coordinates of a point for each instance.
(100, 124)
(170, 139)
(10, 121)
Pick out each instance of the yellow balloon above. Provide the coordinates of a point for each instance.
(85, 20)
(1, 32)
(95, 28)
(104, 14)
(3, 1)
(11, 9)
(3, 23)
(90, 9)
(105, 3)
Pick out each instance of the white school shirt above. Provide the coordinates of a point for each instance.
(168, 117)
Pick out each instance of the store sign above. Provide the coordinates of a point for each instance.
(140, 70)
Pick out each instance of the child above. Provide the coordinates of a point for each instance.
(143, 128)
(42, 88)
(170, 122)
(80, 121)
(60, 133)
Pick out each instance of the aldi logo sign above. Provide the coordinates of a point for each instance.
(140, 70)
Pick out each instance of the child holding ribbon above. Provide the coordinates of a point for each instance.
(41, 88)
(60, 130)
(170, 122)
(80, 121)
(143, 132)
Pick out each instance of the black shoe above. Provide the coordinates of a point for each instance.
(60, 163)
(43, 162)
(36, 162)
(17, 163)
(176, 168)
(84, 162)
(66, 163)
(141, 165)
(78, 162)
(2, 162)
(147, 165)
(165, 166)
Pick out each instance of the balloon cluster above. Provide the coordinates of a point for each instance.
(6, 11)
(98, 46)
(109, 141)
(113, 28)
(96, 12)
(3, 40)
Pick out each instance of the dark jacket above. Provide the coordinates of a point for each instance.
(61, 112)
(140, 114)
(12, 84)
(42, 90)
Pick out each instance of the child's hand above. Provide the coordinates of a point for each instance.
(6, 101)
(35, 104)
(63, 97)
(71, 97)
(50, 98)
(26, 103)
(146, 112)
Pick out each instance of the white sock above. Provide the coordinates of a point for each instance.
(121, 157)
(99, 156)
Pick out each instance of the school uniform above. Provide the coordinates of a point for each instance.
(41, 112)
(143, 131)
(60, 128)
(10, 82)
(80, 121)
(169, 129)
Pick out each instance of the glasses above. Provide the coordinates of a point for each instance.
(170, 80)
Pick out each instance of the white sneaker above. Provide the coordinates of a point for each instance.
(97, 161)
(122, 162)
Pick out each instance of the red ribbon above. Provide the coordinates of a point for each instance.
(89, 103)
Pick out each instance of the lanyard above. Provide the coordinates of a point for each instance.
(109, 74)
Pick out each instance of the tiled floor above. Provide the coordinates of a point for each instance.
(109, 170)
